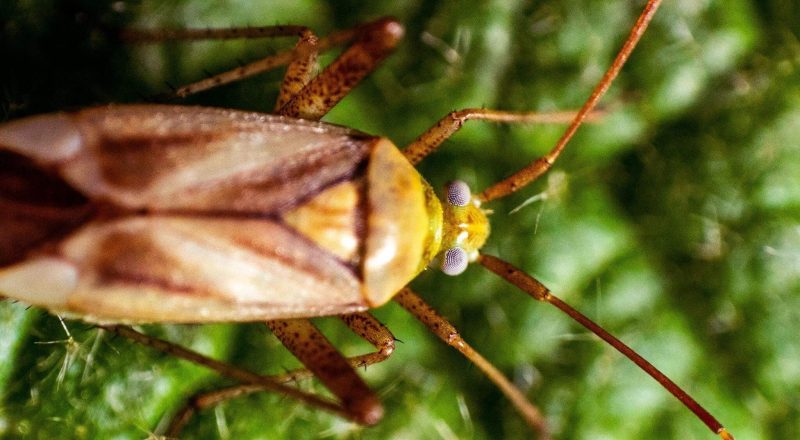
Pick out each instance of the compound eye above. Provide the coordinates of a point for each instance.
(458, 193)
(455, 261)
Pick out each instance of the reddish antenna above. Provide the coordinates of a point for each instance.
(540, 292)
(533, 170)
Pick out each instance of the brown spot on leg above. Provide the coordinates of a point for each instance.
(311, 347)
(373, 331)
(300, 70)
(375, 41)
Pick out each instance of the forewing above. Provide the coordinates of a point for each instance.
(181, 158)
(182, 269)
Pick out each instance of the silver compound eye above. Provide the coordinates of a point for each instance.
(458, 193)
(455, 261)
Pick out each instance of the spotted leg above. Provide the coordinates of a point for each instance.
(301, 95)
(447, 333)
(362, 324)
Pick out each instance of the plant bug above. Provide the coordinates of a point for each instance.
(457, 147)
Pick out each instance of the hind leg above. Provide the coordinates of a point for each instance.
(363, 324)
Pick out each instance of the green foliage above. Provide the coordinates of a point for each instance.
(673, 221)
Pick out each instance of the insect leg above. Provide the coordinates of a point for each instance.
(533, 170)
(429, 141)
(447, 333)
(363, 324)
(202, 400)
(314, 350)
(299, 72)
(149, 36)
(247, 70)
(374, 42)
(227, 370)
(373, 331)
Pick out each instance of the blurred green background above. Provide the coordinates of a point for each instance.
(673, 222)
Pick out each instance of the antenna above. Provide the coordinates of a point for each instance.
(533, 170)
(540, 292)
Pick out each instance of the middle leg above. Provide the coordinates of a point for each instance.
(447, 126)
(447, 333)
(362, 324)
